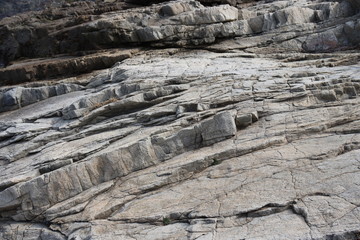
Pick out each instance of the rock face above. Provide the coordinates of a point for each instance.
(9, 8)
(210, 122)
(78, 29)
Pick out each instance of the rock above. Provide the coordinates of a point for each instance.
(231, 2)
(10, 98)
(351, 31)
(147, 2)
(209, 15)
(28, 231)
(355, 4)
(221, 127)
(19, 96)
(175, 23)
(166, 154)
(9, 8)
(321, 42)
(256, 24)
(243, 121)
(43, 69)
(181, 120)
(176, 8)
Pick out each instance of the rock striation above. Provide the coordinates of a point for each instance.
(182, 120)
(9, 8)
(313, 28)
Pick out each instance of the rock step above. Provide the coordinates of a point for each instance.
(32, 70)
(180, 23)
(108, 166)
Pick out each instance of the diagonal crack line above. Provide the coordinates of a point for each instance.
(301, 212)
(266, 210)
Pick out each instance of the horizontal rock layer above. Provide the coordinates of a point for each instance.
(77, 29)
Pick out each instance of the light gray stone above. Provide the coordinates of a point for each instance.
(251, 137)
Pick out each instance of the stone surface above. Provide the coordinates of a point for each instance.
(39, 69)
(248, 129)
(77, 29)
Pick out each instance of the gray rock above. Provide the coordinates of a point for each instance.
(10, 98)
(177, 8)
(28, 231)
(22, 96)
(250, 137)
(243, 121)
(218, 129)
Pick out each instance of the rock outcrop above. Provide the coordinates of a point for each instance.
(312, 28)
(205, 122)
(9, 8)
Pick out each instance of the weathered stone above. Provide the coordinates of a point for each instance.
(221, 127)
(243, 121)
(252, 135)
(176, 8)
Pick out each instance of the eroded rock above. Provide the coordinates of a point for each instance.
(253, 135)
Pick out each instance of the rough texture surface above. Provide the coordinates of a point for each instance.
(248, 129)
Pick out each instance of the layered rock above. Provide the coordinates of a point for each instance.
(181, 23)
(150, 145)
(253, 135)
(9, 8)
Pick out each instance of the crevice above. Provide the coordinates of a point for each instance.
(348, 235)
(348, 147)
(302, 213)
(266, 210)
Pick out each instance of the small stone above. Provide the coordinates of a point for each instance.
(244, 120)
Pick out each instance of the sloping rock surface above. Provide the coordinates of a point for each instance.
(213, 122)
